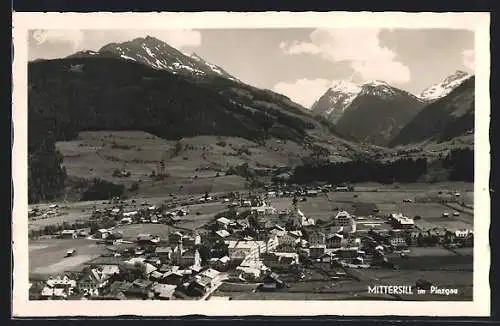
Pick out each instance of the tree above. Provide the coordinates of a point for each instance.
(140, 269)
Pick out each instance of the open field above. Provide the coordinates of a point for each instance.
(358, 290)
(131, 231)
(47, 256)
(192, 163)
(431, 213)
(444, 268)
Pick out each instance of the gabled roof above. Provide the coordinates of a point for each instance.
(94, 275)
(150, 268)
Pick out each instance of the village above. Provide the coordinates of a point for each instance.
(256, 244)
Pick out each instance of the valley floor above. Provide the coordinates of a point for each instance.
(446, 267)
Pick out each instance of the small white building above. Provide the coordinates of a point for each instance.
(222, 234)
(223, 222)
(402, 222)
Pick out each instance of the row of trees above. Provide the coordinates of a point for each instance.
(46, 175)
(460, 162)
(403, 170)
(458, 165)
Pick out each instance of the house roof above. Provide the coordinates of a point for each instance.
(318, 246)
(242, 244)
(134, 260)
(156, 274)
(204, 281)
(94, 275)
(163, 249)
(110, 269)
(224, 259)
(286, 254)
(223, 220)
(223, 233)
(211, 273)
(343, 214)
(195, 268)
(150, 268)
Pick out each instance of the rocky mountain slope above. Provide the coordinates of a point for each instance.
(371, 112)
(447, 118)
(336, 99)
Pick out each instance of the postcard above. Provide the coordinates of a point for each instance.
(290, 164)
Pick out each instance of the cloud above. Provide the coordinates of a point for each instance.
(303, 91)
(73, 37)
(468, 59)
(95, 39)
(361, 47)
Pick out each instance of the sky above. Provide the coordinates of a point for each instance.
(300, 63)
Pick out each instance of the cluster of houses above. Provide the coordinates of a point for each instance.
(261, 246)
(279, 190)
(405, 234)
(37, 213)
(257, 247)
(147, 268)
(149, 214)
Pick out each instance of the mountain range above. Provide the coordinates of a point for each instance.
(376, 112)
(147, 85)
(446, 118)
(441, 89)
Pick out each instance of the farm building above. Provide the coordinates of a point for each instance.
(69, 234)
(400, 221)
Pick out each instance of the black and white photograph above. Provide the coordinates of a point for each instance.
(176, 161)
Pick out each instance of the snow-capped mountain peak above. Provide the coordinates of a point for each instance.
(344, 86)
(443, 88)
(341, 95)
(159, 55)
(336, 99)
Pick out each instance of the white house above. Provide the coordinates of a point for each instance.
(402, 222)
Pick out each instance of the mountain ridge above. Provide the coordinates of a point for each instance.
(444, 87)
(159, 55)
(372, 111)
(446, 118)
